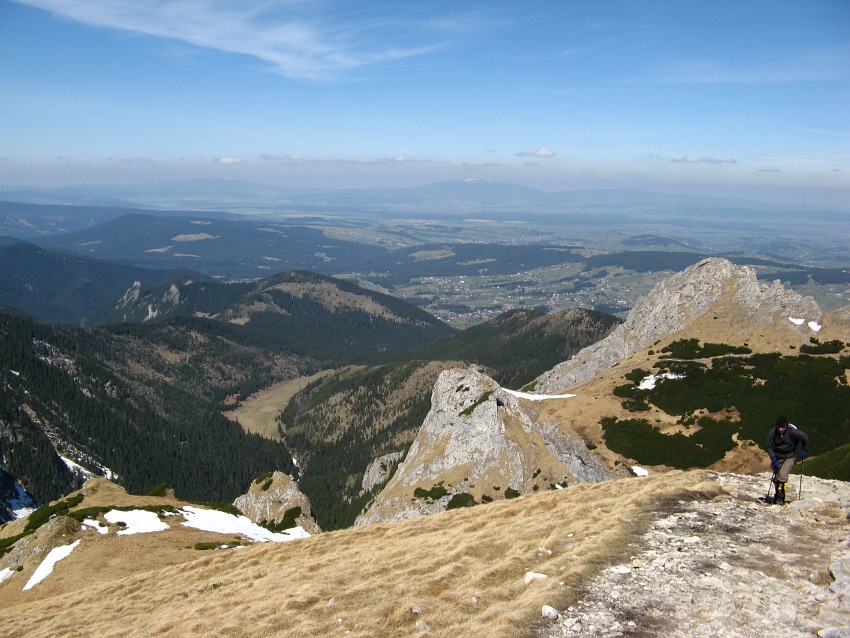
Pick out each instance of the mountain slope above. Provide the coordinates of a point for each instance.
(340, 424)
(702, 367)
(657, 391)
(64, 288)
(77, 403)
(246, 248)
(673, 554)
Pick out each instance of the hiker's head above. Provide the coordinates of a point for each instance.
(781, 423)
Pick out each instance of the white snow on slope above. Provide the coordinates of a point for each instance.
(137, 521)
(649, 382)
(143, 522)
(21, 504)
(46, 568)
(814, 325)
(5, 573)
(538, 397)
(224, 523)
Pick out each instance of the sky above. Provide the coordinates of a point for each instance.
(723, 97)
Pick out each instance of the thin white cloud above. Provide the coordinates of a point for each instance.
(227, 160)
(478, 164)
(291, 35)
(810, 66)
(281, 158)
(540, 152)
(696, 159)
(292, 158)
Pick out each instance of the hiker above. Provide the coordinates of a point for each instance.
(782, 442)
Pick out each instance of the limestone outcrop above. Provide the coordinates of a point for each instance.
(480, 442)
(275, 497)
(681, 300)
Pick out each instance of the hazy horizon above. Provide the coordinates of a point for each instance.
(728, 99)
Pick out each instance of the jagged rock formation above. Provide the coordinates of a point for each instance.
(681, 300)
(273, 498)
(379, 471)
(478, 443)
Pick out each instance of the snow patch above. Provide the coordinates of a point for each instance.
(137, 521)
(649, 382)
(813, 325)
(5, 574)
(538, 397)
(21, 504)
(95, 525)
(46, 567)
(640, 471)
(224, 523)
(75, 467)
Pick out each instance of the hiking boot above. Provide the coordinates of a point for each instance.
(779, 499)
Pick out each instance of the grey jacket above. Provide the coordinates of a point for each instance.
(785, 446)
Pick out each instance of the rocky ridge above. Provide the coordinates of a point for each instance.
(481, 442)
(732, 566)
(679, 301)
(270, 498)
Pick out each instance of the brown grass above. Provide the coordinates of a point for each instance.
(258, 413)
(461, 572)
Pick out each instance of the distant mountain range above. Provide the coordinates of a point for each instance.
(438, 198)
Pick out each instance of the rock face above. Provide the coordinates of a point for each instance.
(480, 442)
(379, 471)
(270, 498)
(731, 566)
(679, 301)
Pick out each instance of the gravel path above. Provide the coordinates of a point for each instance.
(731, 567)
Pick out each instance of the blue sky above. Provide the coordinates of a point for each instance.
(724, 97)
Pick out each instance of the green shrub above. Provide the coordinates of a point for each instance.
(6, 543)
(263, 477)
(43, 514)
(639, 440)
(159, 490)
(461, 500)
(511, 493)
(288, 521)
(830, 347)
(435, 493)
(480, 400)
(691, 349)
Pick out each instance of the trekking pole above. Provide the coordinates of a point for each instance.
(772, 478)
(800, 494)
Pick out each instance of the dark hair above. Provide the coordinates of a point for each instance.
(782, 422)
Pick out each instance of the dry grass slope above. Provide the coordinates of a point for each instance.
(460, 572)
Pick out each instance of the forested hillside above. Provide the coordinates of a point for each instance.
(144, 403)
(80, 394)
(65, 288)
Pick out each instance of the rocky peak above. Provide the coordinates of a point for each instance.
(681, 300)
(274, 498)
(480, 442)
